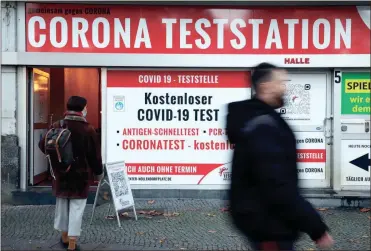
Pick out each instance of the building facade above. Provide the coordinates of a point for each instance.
(158, 78)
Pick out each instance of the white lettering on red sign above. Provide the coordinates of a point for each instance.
(80, 26)
(195, 30)
(100, 32)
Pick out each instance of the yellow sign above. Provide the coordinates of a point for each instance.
(357, 86)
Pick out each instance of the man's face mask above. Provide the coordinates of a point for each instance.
(84, 112)
(276, 88)
(280, 79)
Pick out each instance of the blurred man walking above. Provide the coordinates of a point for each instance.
(265, 201)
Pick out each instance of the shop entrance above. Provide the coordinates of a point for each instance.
(50, 89)
(308, 110)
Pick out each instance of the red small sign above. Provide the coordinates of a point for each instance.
(179, 79)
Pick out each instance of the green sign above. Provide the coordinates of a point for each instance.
(355, 93)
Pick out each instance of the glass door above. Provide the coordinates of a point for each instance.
(308, 111)
(41, 120)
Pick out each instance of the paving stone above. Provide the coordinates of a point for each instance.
(200, 225)
(6, 248)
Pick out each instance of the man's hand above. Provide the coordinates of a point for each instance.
(326, 241)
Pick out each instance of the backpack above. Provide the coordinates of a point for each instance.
(58, 146)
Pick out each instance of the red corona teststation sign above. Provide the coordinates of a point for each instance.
(196, 29)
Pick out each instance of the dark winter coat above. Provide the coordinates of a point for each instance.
(87, 153)
(265, 201)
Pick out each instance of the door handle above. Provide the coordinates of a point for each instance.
(327, 130)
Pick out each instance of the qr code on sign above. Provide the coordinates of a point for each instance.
(119, 184)
(297, 99)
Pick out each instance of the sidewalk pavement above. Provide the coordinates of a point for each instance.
(170, 224)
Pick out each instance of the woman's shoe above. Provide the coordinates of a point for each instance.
(77, 248)
(64, 244)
